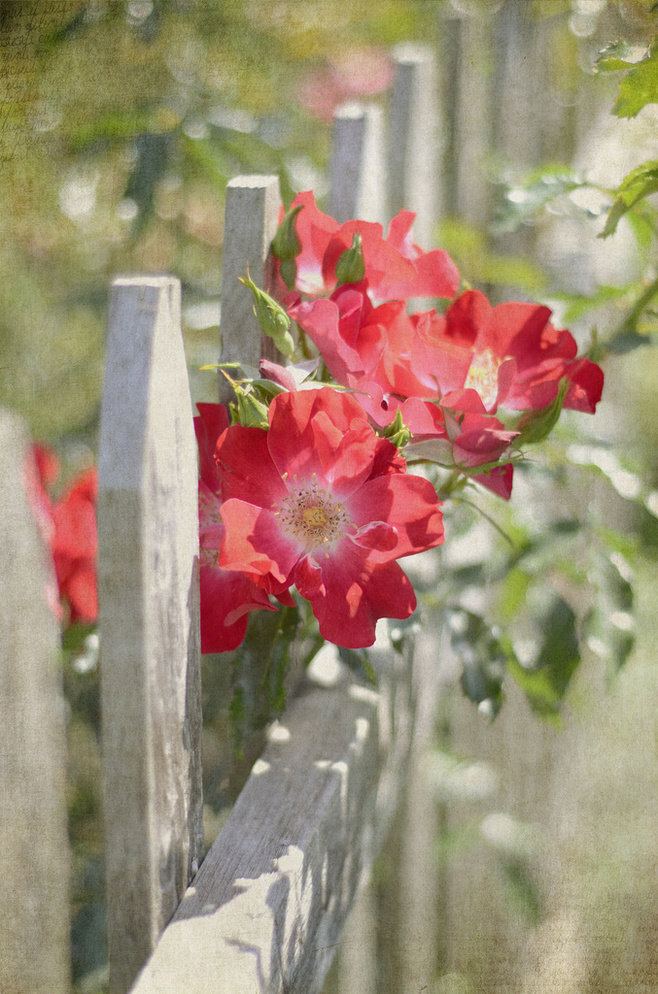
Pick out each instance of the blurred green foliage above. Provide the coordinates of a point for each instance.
(122, 124)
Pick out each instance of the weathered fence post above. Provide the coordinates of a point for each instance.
(251, 219)
(148, 590)
(356, 171)
(414, 139)
(34, 855)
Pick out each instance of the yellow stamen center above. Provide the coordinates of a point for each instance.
(483, 376)
(312, 516)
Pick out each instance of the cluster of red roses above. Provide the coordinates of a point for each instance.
(320, 499)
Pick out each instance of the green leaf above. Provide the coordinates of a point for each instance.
(484, 654)
(619, 55)
(513, 593)
(546, 680)
(522, 889)
(627, 341)
(638, 184)
(639, 87)
(112, 127)
(248, 410)
(578, 305)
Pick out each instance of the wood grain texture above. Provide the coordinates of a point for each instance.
(356, 169)
(149, 630)
(266, 910)
(250, 223)
(34, 855)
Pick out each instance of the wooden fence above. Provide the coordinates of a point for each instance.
(264, 910)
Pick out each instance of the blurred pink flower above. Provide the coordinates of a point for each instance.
(358, 73)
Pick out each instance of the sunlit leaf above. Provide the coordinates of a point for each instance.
(620, 55)
(639, 184)
(577, 306)
(514, 590)
(113, 127)
(639, 87)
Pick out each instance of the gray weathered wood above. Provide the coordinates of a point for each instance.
(251, 219)
(148, 591)
(356, 170)
(265, 911)
(34, 855)
(414, 139)
(473, 108)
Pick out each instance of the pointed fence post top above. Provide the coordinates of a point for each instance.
(142, 355)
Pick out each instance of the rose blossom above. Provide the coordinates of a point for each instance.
(226, 598)
(319, 501)
(512, 354)
(395, 268)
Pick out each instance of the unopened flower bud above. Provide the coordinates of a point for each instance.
(272, 318)
(351, 266)
(286, 246)
(248, 410)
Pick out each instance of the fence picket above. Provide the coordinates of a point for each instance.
(414, 139)
(356, 169)
(34, 860)
(148, 591)
(251, 220)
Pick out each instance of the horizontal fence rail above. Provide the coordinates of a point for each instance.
(266, 910)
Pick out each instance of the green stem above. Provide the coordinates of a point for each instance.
(487, 517)
(640, 305)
